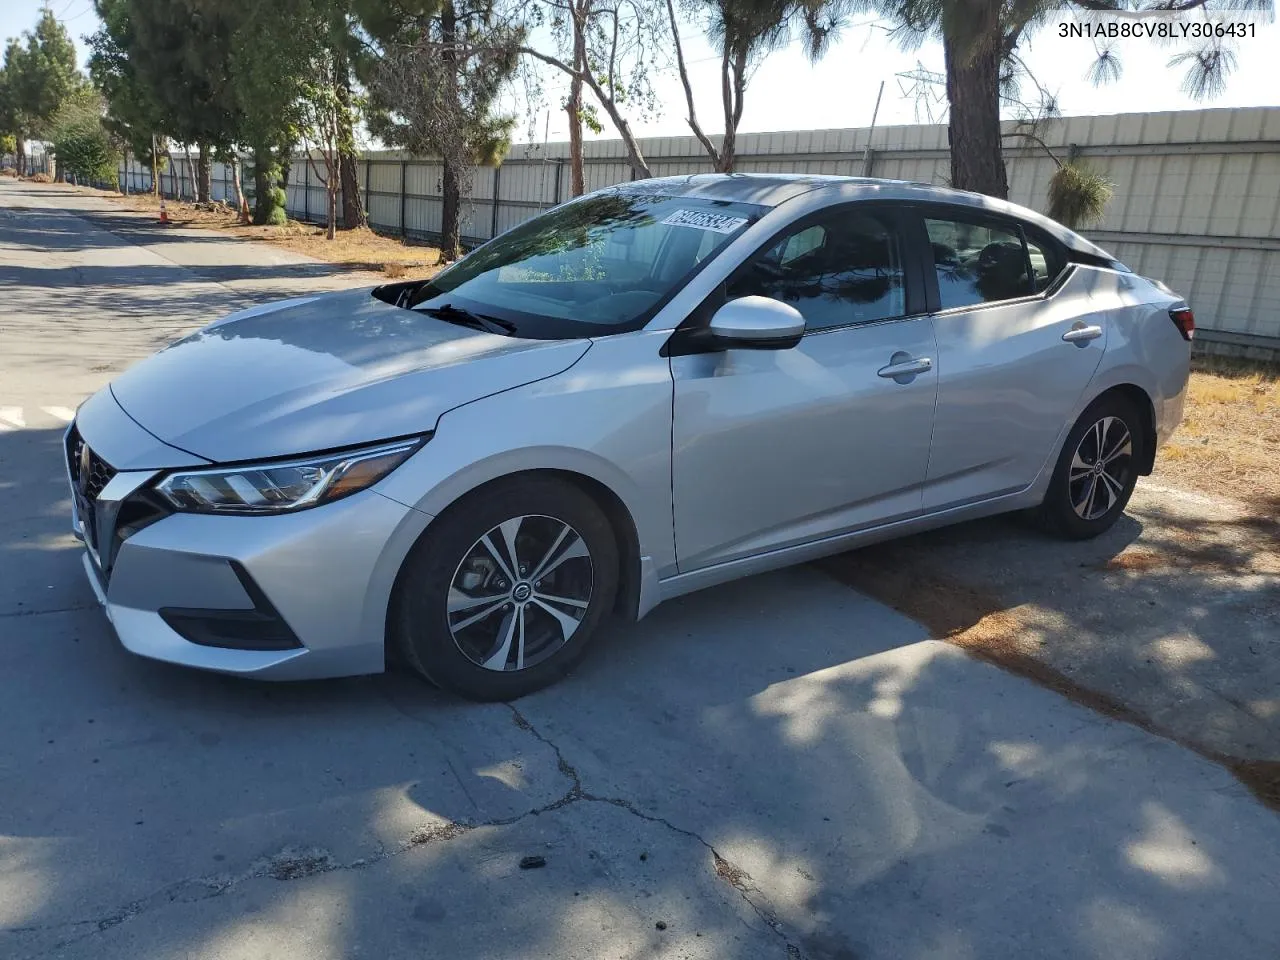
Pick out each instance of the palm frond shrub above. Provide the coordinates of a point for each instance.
(1078, 195)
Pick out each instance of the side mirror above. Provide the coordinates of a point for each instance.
(755, 323)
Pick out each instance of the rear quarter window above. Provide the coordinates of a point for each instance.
(1047, 260)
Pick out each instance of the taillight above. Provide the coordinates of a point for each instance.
(1185, 321)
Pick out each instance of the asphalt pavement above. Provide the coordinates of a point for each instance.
(779, 767)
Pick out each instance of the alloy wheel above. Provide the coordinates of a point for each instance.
(1100, 468)
(520, 593)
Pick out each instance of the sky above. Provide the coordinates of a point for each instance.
(788, 93)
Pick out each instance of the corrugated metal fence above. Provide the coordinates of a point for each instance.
(1197, 198)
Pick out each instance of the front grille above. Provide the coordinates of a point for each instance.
(99, 473)
(107, 523)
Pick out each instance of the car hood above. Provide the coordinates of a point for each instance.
(323, 372)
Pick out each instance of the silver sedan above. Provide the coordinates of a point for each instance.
(649, 390)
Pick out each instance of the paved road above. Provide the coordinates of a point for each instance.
(778, 768)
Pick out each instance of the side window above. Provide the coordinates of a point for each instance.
(806, 241)
(844, 269)
(977, 263)
(1046, 264)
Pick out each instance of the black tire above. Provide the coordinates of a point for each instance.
(420, 624)
(1067, 510)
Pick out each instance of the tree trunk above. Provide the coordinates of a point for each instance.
(21, 150)
(124, 180)
(577, 176)
(188, 171)
(331, 189)
(733, 92)
(573, 106)
(353, 212)
(724, 162)
(451, 187)
(204, 175)
(262, 186)
(973, 130)
(242, 206)
(450, 225)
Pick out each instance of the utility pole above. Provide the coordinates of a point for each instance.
(868, 158)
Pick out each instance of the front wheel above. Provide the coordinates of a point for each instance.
(503, 592)
(1096, 471)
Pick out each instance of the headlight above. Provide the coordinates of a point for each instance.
(282, 486)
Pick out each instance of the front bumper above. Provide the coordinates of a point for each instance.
(320, 579)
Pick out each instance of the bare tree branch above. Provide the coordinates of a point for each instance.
(1163, 7)
(605, 46)
(634, 155)
(312, 163)
(1032, 137)
(688, 89)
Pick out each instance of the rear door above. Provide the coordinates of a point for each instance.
(1017, 344)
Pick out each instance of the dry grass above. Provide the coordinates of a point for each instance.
(361, 249)
(1229, 440)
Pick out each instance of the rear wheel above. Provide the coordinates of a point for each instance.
(1096, 471)
(502, 594)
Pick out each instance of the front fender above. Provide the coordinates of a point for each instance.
(607, 418)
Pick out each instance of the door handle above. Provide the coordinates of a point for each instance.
(903, 368)
(1080, 334)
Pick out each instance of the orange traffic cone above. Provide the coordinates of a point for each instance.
(164, 214)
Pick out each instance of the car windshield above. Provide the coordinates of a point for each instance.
(603, 264)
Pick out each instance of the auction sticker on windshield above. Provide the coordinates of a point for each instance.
(701, 220)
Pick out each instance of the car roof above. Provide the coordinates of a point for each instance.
(773, 189)
(767, 189)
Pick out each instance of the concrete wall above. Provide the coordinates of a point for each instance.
(1197, 200)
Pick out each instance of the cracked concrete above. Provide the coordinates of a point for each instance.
(733, 875)
(779, 768)
(595, 898)
(293, 865)
(40, 613)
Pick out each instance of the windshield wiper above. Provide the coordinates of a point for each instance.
(465, 318)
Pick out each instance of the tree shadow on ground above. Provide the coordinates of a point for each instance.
(1168, 620)
(122, 277)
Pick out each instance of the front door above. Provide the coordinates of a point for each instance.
(773, 448)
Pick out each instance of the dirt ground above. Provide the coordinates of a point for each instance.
(1229, 440)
